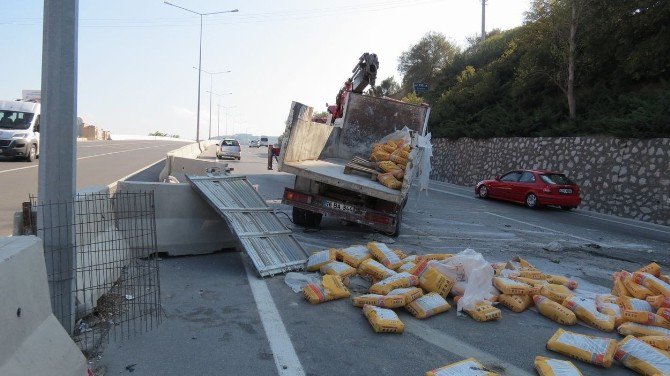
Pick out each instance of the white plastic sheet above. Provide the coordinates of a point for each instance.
(424, 163)
(296, 281)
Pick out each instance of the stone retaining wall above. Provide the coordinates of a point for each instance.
(624, 177)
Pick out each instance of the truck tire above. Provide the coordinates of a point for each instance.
(299, 217)
(313, 219)
(398, 225)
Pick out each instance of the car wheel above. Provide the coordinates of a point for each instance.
(483, 192)
(531, 200)
(31, 154)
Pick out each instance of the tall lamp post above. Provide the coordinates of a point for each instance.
(211, 80)
(197, 130)
(218, 110)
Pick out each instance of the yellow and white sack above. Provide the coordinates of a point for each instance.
(372, 268)
(645, 318)
(589, 349)
(585, 309)
(385, 255)
(428, 305)
(410, 294)
(555, 367)
(383, 301)
(467, 367)
(484, 311)
(395, 281)
(554, 311)
(657, 286)
(338, 268)
(634, 304)
(319, 259)
(557, 293)
(354, 255)
(511, 287)
(643, 358)
(659, 342)
(383, 320)
(330, 288)
(406, 267)
(432, 280)
(639, 330)
(516, 303)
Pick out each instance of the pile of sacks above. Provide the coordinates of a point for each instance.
(391, 157)
(638, 306)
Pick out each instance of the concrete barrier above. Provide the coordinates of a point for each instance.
(33, 341)
(190, 151)
(185, 223)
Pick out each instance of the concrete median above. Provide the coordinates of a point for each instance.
(183, 161)
(34, 342)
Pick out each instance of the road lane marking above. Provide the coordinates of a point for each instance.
(451, 193)
(623, 223)
(458, 347)
(545, 228)
(87, 157)
(284, 354)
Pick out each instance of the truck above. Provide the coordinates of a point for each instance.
(20, 129)
(317, 154)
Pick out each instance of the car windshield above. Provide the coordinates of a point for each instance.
(229, 143)
(556, 179)
(15, 120)
(264, 138)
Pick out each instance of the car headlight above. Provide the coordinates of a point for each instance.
(20, 135)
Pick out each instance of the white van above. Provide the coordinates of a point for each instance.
(264, 141)
(20, 129)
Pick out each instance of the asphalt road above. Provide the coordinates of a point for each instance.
(222, 319)
(98, 163)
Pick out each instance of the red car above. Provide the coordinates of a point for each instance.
(533, 188)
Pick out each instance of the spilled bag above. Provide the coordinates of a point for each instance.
(319, 259)
(372, 268)
(557, 293)
(653, 269)
(636, 289)
(516, 303)
(634, 304)
(511, 287)
(561, 280)
(659, 342)
(383, 301)
(655, 285)
(385, 255)
(585, 309)
(595, 350)
(642, 358)
(428, 305)
(330, 288)
(554, 311)
(645, 318)
(409, 294)
(467, 367)
(639, 330)
(395, 281)
(555, 367)
(484, 311)
(383, 320)
(434, 281)
(658, 301)
(338, 268)
(354, 255)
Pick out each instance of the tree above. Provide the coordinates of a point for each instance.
(159, 134)
(412, 98)
(423, 61)
(386, 88)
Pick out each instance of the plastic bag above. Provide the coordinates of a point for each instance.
(589, 349)
(428, 305)
(639, 330)
(395, 281)
(401, 137)
(383, 301)
(330, 288)
(467, 367)
(296, 281)
(555, 367)
(354, 255)
(642, 358)
(471, 268)
(383, 320)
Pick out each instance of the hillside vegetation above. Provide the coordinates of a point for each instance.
(576, 67)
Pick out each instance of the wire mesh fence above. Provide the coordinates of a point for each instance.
(102, 266)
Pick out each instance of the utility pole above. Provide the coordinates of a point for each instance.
(483, 20)
(58, 152)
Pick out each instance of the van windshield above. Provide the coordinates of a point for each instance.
(264, 138)
(15, 120)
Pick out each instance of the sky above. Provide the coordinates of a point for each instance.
(136, 57)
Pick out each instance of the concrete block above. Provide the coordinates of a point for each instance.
(180, 167)
(33, 341)
(190, 151)
(185, 223)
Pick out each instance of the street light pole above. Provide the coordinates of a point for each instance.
(211, 83)
(197, 131)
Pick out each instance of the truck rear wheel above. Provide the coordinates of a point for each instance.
(306, 218)
(398, 224)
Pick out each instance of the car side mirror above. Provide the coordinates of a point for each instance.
(497, 178)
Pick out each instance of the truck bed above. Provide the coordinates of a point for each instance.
(331, 171)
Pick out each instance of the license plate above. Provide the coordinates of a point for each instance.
(338, 206)
(565, 190)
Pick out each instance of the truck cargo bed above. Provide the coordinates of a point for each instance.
(331, 171)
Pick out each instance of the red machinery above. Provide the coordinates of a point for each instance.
(364, 74)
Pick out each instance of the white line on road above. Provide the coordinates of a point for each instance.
(622, 223)
(87, 157)
(545, 228)
(286, 359)
(458, 347)
(451, 193)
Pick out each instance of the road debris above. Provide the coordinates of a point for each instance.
(467, 367)
(554, 367)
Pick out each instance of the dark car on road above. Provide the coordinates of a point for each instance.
(533, 188)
